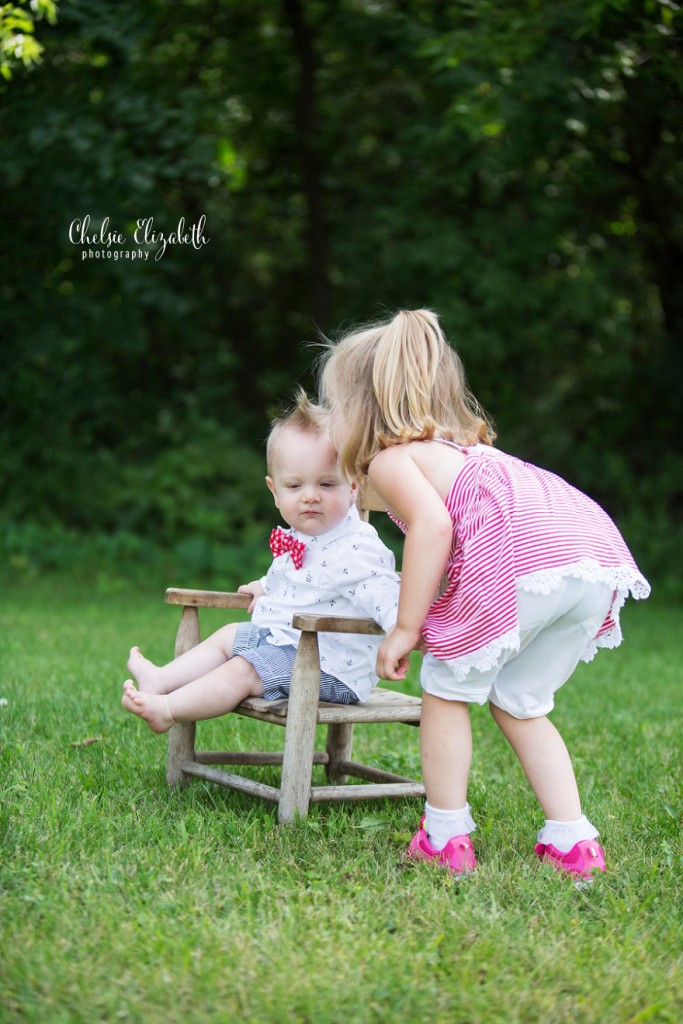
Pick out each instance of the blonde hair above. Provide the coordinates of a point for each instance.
(303, 415)
(399, 381)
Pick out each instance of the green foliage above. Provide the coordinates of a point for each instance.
(200, 509)
(18, 45)
(514, 165)
(205, 481)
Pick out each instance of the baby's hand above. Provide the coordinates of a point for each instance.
(255, 589)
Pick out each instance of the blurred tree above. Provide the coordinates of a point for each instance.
(576, 114)
(514, 165)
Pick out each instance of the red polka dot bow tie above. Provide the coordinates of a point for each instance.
(282, 542)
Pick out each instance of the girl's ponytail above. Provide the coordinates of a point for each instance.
(399, 381)
(407, 361)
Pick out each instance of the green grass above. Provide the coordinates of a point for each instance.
(123, 901)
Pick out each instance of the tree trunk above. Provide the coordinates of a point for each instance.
(311, 161)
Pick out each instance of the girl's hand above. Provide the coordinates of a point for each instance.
(393, 655)
(255, 589)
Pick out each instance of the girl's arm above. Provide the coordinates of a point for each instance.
(412, 499)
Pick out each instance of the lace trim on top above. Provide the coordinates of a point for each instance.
(486, 657)
(623, 578)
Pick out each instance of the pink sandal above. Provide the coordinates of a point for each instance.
(457, 855)
(583, 859)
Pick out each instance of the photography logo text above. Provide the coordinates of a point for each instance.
(105, 243)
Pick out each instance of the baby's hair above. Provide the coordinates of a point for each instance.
(399, 381)
(303, 415)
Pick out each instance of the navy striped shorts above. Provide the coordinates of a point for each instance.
(274, 666)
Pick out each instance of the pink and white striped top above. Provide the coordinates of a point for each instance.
(515, 525)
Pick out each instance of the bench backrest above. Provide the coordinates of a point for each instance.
(368, 500)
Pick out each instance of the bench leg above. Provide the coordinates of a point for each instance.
(339, 741)
(181, 736)
(302, 713)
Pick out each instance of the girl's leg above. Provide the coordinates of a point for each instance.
(567, 837)
(210, 696)
(446, 751)
(546, 763)
(555, 629)
(206, 656)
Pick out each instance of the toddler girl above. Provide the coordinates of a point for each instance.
(535, 575)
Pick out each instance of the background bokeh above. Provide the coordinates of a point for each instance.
(514, 165)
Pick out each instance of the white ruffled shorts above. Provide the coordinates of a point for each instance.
(555, 631)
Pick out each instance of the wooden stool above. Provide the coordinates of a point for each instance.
(299, 716)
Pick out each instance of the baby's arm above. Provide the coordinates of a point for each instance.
(255, 588)
(413, 499)
(370, 580)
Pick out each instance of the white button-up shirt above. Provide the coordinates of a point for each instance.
(348, 571)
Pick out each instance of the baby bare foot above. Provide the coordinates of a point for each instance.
(145, 672)
(129, 689)
(151, 707)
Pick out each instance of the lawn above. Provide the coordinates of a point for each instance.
(123, 901)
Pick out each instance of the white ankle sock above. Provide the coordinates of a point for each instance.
(442, 825)
(565, 834)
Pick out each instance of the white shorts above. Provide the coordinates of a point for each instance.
(555, 629)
